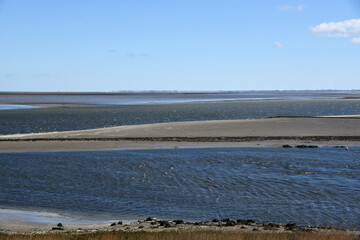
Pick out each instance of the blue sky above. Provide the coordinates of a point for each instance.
(111, 45)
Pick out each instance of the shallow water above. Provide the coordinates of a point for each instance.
(17, 216)
(309, 186)
(65, 119)
(16, 106)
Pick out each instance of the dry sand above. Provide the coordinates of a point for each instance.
(269, 132)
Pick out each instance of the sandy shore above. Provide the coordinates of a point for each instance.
(269, 132)
(33, 222)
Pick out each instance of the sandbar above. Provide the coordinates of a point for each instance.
(267, 132)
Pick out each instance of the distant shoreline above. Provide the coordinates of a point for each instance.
(89, 99)
(175, 92)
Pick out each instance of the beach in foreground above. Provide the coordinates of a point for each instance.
(152, 228)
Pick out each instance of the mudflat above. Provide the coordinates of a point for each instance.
(268, 132)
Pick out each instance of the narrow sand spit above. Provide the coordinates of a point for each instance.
(269, 132)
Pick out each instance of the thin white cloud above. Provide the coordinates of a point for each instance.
(298, 8)
(348, 28)
(279, 44)
(345, 29)
(356, 40)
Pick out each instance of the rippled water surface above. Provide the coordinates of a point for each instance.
(77, 118)
(309, 186)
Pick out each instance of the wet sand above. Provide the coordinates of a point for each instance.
(269, 132)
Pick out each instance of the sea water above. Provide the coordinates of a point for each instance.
(308, 186)
(78, 118)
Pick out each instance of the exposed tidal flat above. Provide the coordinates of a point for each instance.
(338, 131)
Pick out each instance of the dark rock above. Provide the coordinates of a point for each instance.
(215, 220)
(291, 226)
(250, 221)
(59, 225)
(149, 219)
(225, 220)
(230, 223)
(57, 228)
(179, 221)
(286, 146)
(140, 227)
(119, 223)
(241, 221)
(153, 223)
(307, 146)
(255, 229)
(113, 224)
(163, 222)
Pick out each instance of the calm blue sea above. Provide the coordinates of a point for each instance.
(308, 186)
